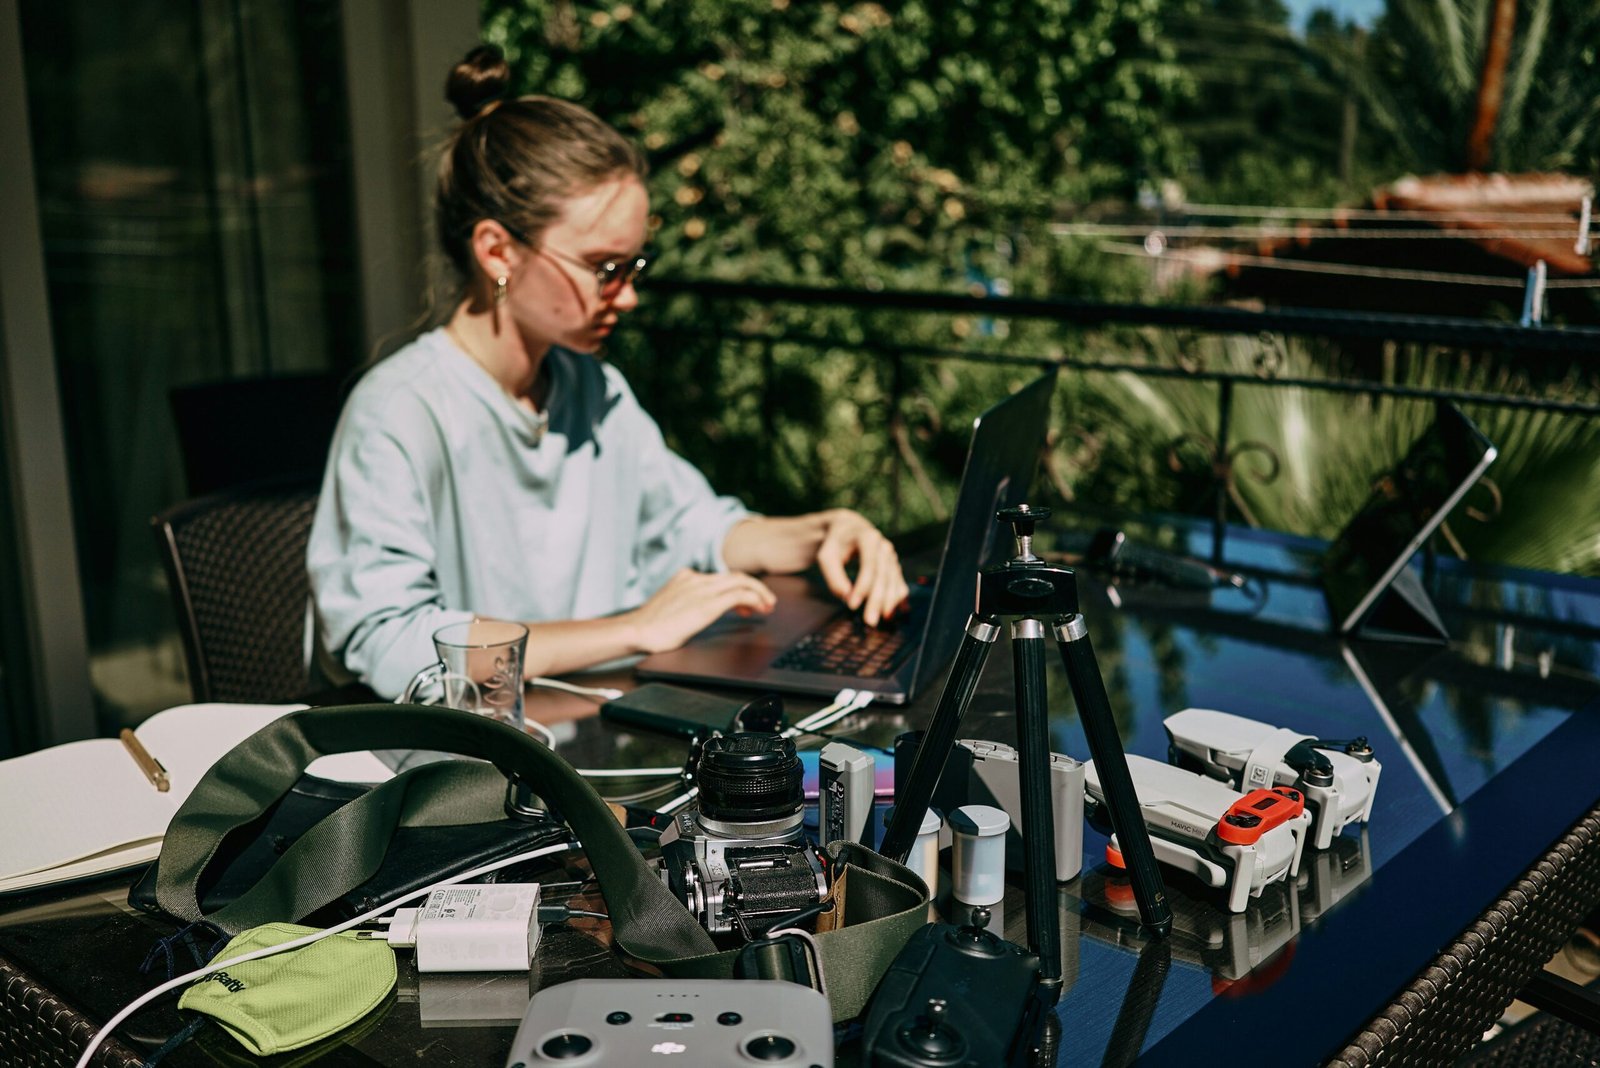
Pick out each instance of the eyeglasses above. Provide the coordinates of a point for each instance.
(611, 276)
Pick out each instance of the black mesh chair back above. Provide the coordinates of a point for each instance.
(236, 564)
(244, 430)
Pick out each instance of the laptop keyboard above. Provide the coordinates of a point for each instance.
(847, 646)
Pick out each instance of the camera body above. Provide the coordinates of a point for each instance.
(740, 883)
(739, 860)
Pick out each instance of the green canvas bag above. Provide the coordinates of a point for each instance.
(885, 903)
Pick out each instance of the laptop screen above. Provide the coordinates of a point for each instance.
(1001, 461)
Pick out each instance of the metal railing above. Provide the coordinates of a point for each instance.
(1568, 359)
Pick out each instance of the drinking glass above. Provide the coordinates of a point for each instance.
(479, 669)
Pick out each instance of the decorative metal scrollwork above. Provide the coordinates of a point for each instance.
(1225, 466)
(1189, 357)
(1271, 357)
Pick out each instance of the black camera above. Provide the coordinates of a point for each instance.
(739, 858)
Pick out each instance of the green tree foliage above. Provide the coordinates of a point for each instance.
(923, 145)
(1267, 124)
(1417, 77)
(859, 144)
(928, 145)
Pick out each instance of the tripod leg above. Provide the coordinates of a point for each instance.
(1094, 709)
(911, 803)
(1038, 818)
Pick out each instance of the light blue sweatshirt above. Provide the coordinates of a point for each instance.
(444, 499)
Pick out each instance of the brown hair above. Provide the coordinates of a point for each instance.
(516, 160)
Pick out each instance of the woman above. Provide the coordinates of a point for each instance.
(494, 468)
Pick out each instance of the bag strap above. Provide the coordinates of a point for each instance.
(342, 853)
(885, 904)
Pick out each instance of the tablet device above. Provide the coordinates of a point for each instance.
(1407, 504)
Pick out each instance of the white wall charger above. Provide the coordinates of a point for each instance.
(492, 927)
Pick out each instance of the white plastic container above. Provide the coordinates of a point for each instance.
(978, 854)
(924, 856)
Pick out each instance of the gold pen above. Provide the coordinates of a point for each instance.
(148, 764)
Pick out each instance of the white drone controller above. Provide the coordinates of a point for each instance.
(1339, 779)
(709, 1023)
(1239, 841)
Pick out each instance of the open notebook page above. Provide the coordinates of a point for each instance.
(89, 799)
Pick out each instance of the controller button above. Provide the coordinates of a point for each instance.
(769, 1048)
(565, 1046)
(618, 1017)
(730, 1019)
(675, 1017)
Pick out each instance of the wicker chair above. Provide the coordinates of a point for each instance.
(235, 563)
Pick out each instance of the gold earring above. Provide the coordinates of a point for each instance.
(499, 291)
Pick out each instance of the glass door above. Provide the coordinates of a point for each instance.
(193, 177)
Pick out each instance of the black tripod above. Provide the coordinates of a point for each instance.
(1025, 588)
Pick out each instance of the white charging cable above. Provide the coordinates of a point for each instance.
(628, 773)
(305, 940)
(599, 693)
(845, 702)
(680, 801)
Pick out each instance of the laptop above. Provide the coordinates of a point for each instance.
(1364, 570)
(811, 644)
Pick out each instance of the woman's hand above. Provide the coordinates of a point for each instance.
(692, 601)
(831, 540)
(879, 588)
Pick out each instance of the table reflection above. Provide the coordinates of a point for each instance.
(1446, 722)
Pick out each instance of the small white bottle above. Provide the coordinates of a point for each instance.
(978, 854)
(924, 855)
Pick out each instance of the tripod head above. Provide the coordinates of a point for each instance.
(1025, 585)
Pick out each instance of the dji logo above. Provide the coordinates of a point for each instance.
(668, 1047)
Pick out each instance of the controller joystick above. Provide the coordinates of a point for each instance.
(769, 1048)
(974, 936)
(924, 1015)
(930, 1036)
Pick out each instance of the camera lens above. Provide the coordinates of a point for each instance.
(749, 778)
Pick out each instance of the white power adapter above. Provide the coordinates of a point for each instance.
(474, 928)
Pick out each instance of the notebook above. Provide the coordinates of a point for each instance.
(811, 644)
(87, 808)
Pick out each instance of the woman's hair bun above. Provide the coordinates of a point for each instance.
(478, 81)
